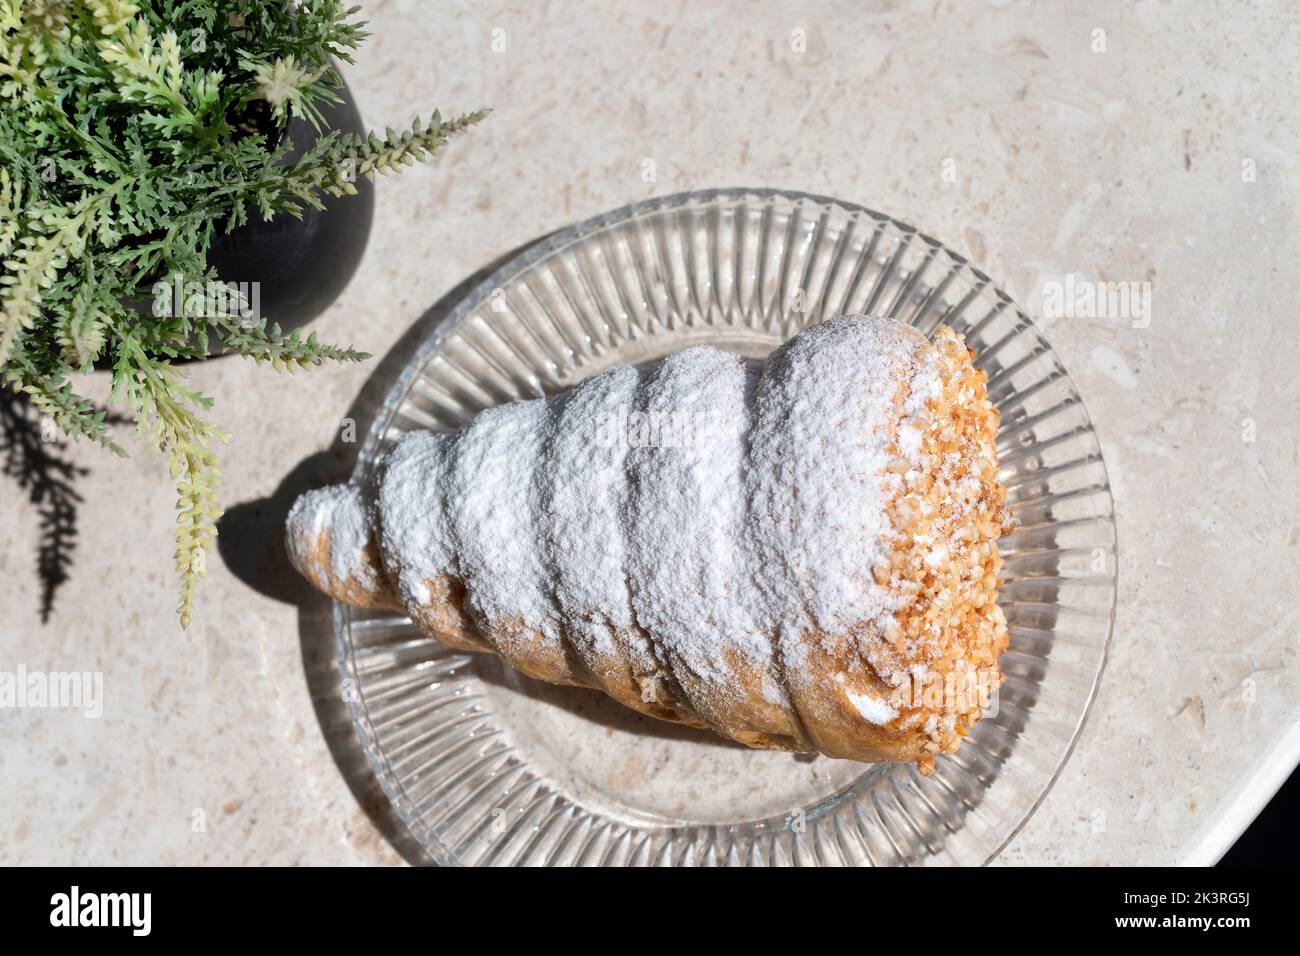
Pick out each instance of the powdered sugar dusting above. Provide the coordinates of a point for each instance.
(874, 709)
(496, 520)
(581, 483)
(759, 528)
(685, 514)
(342, 510)
(414, 502)
(820, 453)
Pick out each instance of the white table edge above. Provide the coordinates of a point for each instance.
(1247, 799)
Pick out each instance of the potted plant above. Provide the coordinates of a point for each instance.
(133, 135)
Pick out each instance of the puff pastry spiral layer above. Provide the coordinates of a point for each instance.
(800, 554)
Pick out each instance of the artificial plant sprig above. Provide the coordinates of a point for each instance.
(131, 133)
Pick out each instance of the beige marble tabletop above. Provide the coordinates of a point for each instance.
(1147, 142)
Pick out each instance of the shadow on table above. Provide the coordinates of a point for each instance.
(46, 478)
(36, 460)
(251, 543)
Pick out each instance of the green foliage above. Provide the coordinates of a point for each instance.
(130, 133)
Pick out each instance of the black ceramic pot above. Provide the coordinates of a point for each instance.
(301, 265)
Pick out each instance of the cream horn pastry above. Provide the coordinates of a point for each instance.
(799, 554)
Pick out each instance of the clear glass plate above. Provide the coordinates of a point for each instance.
(486, 766)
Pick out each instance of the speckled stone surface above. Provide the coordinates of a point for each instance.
(998, 128)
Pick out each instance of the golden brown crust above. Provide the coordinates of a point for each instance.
(631, 675)
(627, 672)
(444, 615)
(314, 564)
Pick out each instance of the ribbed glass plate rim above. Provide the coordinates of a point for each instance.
(549, 246)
